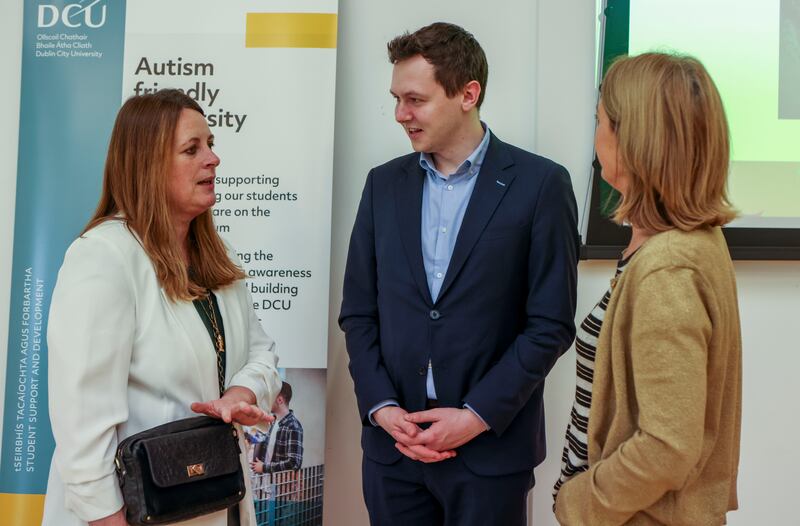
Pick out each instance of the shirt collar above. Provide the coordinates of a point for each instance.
(471, 165)
(288, 416)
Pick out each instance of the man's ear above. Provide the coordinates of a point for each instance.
(470, 95)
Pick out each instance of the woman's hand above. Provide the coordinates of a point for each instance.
(237, 405)
(117, 519)
(238, 412)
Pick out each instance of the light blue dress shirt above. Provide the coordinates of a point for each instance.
(444, 203)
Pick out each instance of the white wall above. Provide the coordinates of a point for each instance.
(539, 97)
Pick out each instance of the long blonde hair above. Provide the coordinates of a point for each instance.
(135, 186)
(673, 142)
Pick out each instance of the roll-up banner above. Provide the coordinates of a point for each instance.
(264, 72)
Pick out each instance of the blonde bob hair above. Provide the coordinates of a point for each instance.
(135, 187)
(673, 142)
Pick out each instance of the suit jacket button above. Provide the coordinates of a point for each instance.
(422, 371)
(434, 314)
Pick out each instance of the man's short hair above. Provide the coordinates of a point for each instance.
(286, 392)
(457, 58)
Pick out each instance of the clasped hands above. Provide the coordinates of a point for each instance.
(450, 428)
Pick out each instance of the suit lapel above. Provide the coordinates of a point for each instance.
(492, 184)
(408, 203)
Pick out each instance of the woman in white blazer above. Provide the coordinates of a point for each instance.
(128, 349)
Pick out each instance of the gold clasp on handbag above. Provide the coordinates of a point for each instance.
(195, 470)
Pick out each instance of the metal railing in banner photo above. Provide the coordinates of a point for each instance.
(289, 498)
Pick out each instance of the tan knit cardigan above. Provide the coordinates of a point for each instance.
(667, 395)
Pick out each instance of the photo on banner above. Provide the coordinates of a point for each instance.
(264, 73)
(287, 457)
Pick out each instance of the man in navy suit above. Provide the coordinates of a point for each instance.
(459, 296)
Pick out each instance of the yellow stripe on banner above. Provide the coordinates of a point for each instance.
(313, 30)
(21, 510)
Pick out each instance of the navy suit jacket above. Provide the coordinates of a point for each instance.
(504, 315)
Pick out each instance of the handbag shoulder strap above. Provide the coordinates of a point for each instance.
(208, 308)
(212, 319)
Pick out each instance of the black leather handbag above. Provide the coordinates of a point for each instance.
(180, 470)
(187, 468)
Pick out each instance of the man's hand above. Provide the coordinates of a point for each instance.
(450, 427)
(257, 466)
(236, 405)
(392, 419)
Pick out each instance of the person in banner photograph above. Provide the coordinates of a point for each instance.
(459, 297)
(282, 449)
(150, 319)
(660, 358)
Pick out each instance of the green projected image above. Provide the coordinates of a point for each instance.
(752, 50)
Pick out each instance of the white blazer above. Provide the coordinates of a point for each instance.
(124, 358)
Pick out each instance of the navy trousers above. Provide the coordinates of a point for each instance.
(444, 493)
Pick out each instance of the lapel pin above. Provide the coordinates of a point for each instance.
(499, 183)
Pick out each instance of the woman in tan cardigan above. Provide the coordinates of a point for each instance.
(664, 383)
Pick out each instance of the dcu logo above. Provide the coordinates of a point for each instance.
(85, 13)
